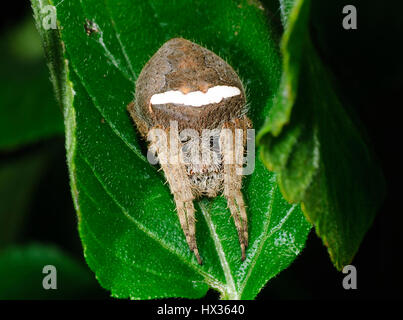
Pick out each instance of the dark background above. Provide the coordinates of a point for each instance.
(367, 67)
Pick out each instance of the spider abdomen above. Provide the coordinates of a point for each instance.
(189, 84)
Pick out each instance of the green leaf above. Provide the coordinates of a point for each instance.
(130, 232)
(21, 274)
(28, 109)
(317, 151)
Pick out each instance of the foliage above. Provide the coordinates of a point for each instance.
(130, 232)
(319, 154)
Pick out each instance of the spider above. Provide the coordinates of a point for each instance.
(190, 94)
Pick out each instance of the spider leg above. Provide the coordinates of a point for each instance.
(179, 184)
(186, 214)
(233, 150)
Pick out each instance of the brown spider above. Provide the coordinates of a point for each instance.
(186, 92)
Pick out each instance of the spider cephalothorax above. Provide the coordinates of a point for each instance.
(190, 105)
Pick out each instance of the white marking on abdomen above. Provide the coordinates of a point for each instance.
(196, 98)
